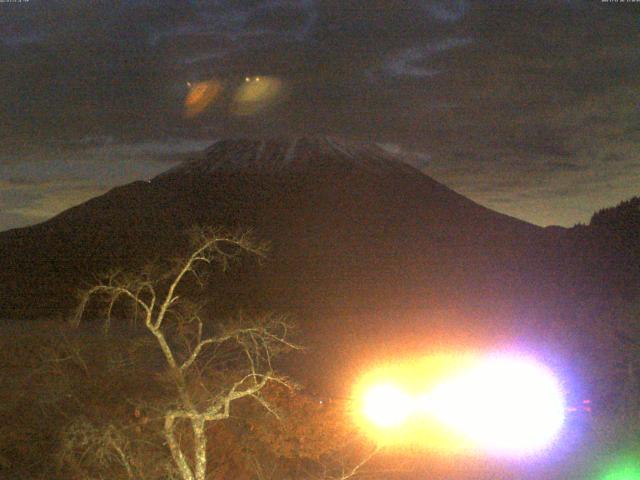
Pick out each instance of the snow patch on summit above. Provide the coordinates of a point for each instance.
(291, 154)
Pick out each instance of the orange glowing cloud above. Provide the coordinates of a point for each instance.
(501, 404)
(200, 96)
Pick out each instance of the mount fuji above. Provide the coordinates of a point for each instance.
(361, 244)
(350, 224)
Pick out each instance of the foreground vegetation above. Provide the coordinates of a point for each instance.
(169, 393)
(81, 404)
(145, 383)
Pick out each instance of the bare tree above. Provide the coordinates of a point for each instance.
(195, 352)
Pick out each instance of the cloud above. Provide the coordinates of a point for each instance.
(228, 25)
(48, 203)
(447, 11)
(404, 64)
(544, 193)
(414, 158)
(168, 149)
(26, 201)
(13, 40)
(44, 183)
(533, 181)
(205, 57)
(415, 61)
(532, 97)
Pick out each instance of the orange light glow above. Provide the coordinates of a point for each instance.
(388, 403)
(200, 96)
(502, 404)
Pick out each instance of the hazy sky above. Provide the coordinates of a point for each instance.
(531, 108)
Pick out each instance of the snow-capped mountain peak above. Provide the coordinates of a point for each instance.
(284, 154)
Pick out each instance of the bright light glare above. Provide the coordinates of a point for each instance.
(387, 406)
(504, 404)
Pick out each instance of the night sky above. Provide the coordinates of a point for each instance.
(531, 108)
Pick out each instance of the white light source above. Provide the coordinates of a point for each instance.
(505, 404)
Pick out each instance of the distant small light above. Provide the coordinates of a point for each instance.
(247, 79)
(257, 79)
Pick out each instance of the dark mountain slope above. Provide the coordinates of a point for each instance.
(351, 227)
(369, 254)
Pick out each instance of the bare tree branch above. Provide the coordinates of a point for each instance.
(255, 341)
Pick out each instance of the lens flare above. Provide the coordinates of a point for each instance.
(500, 404)
(200, 96)
(505, 405)
(255, 94)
